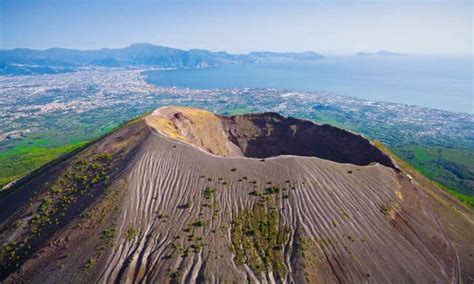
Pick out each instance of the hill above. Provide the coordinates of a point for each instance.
(186, 195)
(381, 53)
(23, 61)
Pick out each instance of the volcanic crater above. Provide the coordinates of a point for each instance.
(183, 195)
(266, 135)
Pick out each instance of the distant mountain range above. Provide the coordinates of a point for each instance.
(381, 53)
(22, 61)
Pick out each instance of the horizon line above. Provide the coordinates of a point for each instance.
(325, 52)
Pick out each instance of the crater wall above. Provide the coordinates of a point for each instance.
(270, 134)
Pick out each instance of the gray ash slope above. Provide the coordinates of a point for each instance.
(186, 196)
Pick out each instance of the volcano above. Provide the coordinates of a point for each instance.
(184, 195)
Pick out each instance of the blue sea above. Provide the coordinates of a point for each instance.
(444, 83)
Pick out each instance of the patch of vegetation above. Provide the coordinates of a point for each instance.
(344, 214)
(451, 167)
(385, 210)
(90, 263)
(131, 233)
(18, 224)
(272, 190)
(106, 240)
(255, 193)
(60, 133)
(209, 192)
(11, 253)
(185, 253)
(103, 213)
(108, 235)
(258, 238)
(79, 178)
(467, 199)
(307, 250)
(198, 223)
(24, 158)
(196, 247)
(176, 276)
(235, 110)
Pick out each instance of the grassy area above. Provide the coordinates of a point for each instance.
(26, 156)
(19, 157)
(322, 118)
(238, 110)
(448, 166)
(465, 198)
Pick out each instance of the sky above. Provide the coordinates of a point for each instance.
(329, 27)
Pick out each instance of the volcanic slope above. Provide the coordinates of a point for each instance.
(183, 195)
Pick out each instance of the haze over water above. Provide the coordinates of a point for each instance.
(436, 82)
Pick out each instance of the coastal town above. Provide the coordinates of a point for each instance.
(27, 103)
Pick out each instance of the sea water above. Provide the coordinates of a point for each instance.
(439, 82)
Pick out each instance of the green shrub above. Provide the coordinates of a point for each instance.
(209, 192)
(198, 223)
(131, 233)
